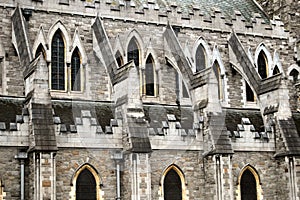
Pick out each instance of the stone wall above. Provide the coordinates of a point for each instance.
(10, 173)
(69, 160)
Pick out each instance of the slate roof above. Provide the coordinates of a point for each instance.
(234, 117)
(68, 111)
(9, 108)
(43, 127)
(219, 135)
(155, 114)
(247, 8)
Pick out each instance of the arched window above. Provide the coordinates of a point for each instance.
(262, 65)
(41, 50)
(133, 52)
(86, 186)
(294, 73)
(200, 58)
(149, 76)
(75, 71)
(119, 58)
(249, 93)
(172, 186)
(276, 70)
(57, 62)
(248, 186)
(217, 72)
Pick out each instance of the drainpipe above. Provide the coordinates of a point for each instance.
(22, 156)
(118, 182)
(118, 158)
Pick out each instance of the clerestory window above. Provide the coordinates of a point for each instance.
(200, 58)
(57, 62)
(75, 71)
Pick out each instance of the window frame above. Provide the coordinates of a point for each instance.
(64, 63)
(80, 71)
(184, 191)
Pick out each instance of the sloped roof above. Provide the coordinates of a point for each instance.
(234, 117)
(69, 110)
(9, 109)
(247, 8)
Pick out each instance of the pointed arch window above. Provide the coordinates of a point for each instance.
(294, 74)
(217, 72)
(173, 184)
(133, 52)
(248, 186)
(200, 58)
(276, 70)
(119, 58)
(40, 50)
(86, 186)
(262, 65)
(149, 77)
(57, 62)
(75, 71)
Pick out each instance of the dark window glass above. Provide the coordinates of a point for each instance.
(86, 186)
(119, 59)
(133, 52)
(276, 70)
(248, 186)
(294, 73)
(75, 71)
(57, 62)
(249, 93)
(39, 50)
(149, 76)
(262, 65)
(200, 58)
(172, 186)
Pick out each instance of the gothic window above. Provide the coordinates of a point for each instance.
(217, 72)
(294, 73)
(119, 58)
(248, 186)
(133, 52)
(276, 70)
(86, 186)
(200, 58)
(41, 50)
(262, 65)
(249, 93)
(149, 77)
(75, 71)
(57, 62)
(172, 186)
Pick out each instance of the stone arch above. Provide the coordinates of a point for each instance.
(59, 26)
(76, 43)
(40, 41)
(201, 42)
(293, 67)
(179, 182)
(86, 167)
(134, 35)
(248, 174)
(262, 50)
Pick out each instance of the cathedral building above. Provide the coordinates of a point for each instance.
(149, 100)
